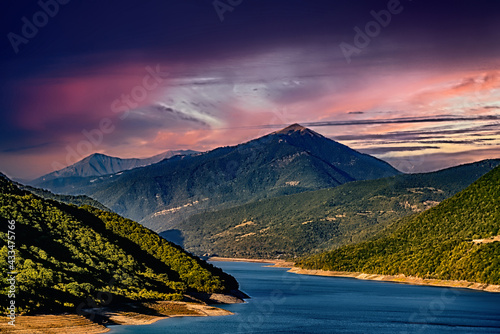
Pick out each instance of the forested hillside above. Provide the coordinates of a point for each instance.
(299, 224)
(454, 240)
(65, 254)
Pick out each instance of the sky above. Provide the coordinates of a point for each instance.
(413, 82)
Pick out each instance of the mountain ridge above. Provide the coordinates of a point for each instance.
(98, 164)
(293, 160)
(308, 222)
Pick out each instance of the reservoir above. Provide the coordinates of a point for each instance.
(283, 302)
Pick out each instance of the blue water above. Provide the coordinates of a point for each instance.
(288, 303)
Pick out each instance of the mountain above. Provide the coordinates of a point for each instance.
(453, 241)
(308, 222)
(66, 256)
(292, 160)
(78, 200)
(100, 164)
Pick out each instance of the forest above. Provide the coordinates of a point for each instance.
(65, 254)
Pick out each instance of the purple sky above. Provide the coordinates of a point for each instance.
(420, 88)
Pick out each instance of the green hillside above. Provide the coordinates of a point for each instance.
(299, 224)
(66, 254)
(450, 241)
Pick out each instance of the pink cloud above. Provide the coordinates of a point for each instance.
(79, 97)
(61, 105)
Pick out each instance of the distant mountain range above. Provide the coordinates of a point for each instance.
(67, 256)
(100, 164)
(308, 222)
(457, 240)
(292, 160)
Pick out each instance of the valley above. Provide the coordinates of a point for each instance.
(257, 167)
(292, 198)
(299, 224)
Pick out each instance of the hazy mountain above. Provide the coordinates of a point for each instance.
(78, 200)
(288, 161)
(454, 241)
(65, 255)
(100, 164)
(303, 223)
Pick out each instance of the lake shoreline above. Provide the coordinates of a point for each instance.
(116, 316)
(400, 279)
(403, 279)
(273, 263)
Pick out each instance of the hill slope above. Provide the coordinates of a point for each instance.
(66, 254)
(100, 164)
(288, 161)
(450, 241)
(299, 224)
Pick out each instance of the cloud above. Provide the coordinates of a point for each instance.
(439, 160)
(26, 148)
(191, 113)
(425, 133)
(388, 149)
(417, 140)
(397, 120)
(436, 84)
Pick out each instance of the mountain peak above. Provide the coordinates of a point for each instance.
(98, 155)
(296, 128)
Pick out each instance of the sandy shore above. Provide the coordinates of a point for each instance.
(51, 324)
(400, 279)
(275, 263)
(130, 314)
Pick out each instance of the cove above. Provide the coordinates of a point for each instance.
(284, 302)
